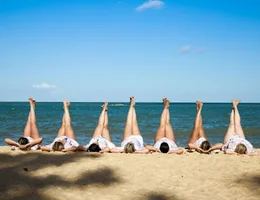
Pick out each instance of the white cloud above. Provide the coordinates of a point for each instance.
(185, 49)
(156, 4)
(44, 85)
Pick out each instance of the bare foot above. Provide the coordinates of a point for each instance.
(32, 101)
(164, 100)
(104, 106)
(167, 103)
(235, 102)
(132, 101)
(197, 105)
(66, 104)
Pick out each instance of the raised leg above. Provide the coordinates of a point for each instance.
(129, 121)
(135, 127)
(99, 129)
(195, 132)
(162, 127)
(68, 128)
(201, 129)
(105, 129)
(34, 130)
(238, 127)
(27, 128)
(169, 130)
(231, 128)
(61, 131)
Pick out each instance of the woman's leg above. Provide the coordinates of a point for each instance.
(169, 130)
(61, 131)
(105, 129)
(135, 127)
(231, 128)
(238, 127)
(68, 128)
(195, 133)
(99, 129)
(201, 129)
(27, 128)
(129, 121)
(162, 127)
(34, 130)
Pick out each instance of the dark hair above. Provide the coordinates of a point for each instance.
(164, 148)
(205, 145)
(57, 146)
(94, 148)
(241, 149)
(23, 141)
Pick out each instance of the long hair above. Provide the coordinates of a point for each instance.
(129, 148)
(58, 146)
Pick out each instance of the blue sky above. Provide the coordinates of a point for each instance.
(100, 50)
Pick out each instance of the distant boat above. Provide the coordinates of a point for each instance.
(118, 104)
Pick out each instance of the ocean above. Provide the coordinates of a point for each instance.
(13, 116)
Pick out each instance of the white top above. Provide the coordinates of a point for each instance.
(34, 147)
(199, 141)
(234, 140)
(137, 140)
(171, 143)
(68, 144)
(101, 141)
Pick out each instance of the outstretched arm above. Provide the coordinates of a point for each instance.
(115, 150)
(178, 151)
(69, 149)
(81, 148)
(11, 142)
(105, 150)
(151, 148)
(230, 152)
(45, 148)
(144, 151)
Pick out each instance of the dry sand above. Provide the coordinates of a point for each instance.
(41, 175)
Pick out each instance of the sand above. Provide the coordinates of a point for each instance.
(81, 175)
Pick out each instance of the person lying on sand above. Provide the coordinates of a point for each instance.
(132, 141)
(31, 139)
(234, 140)
(101, 141)
(65, 140)
(164, 138)
(198, 140)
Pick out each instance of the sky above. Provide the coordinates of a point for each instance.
(108, 50)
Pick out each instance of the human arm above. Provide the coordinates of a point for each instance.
(30, 144)
(178, 151)
(116, 150)
(143, 151)
(217, 146)
(11, 142)
(69, 149)
(105, 150)
(229, 152)
(46, 148)
(81, 148)
(200, 150)
(151, 148)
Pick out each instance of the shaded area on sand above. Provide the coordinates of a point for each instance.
(17, 183)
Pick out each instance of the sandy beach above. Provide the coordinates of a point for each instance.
(41, 175)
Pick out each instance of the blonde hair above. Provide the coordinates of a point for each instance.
(241, 149)
(57, 146)
(129, 148)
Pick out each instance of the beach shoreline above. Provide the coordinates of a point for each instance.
(82, 175)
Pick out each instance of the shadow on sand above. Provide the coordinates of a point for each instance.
(252, 183)
(16, 178)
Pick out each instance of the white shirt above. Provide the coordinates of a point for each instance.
(234, 141)
(137, 140)
(102, 142)
(68, 144)
(171, 144)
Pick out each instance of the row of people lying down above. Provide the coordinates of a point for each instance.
(132, 142)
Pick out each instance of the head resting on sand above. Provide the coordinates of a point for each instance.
(205, 145)
(23, 141)
(129, 148)
(58, 146)
(94, 148)
(164, 148)
(241, 149)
